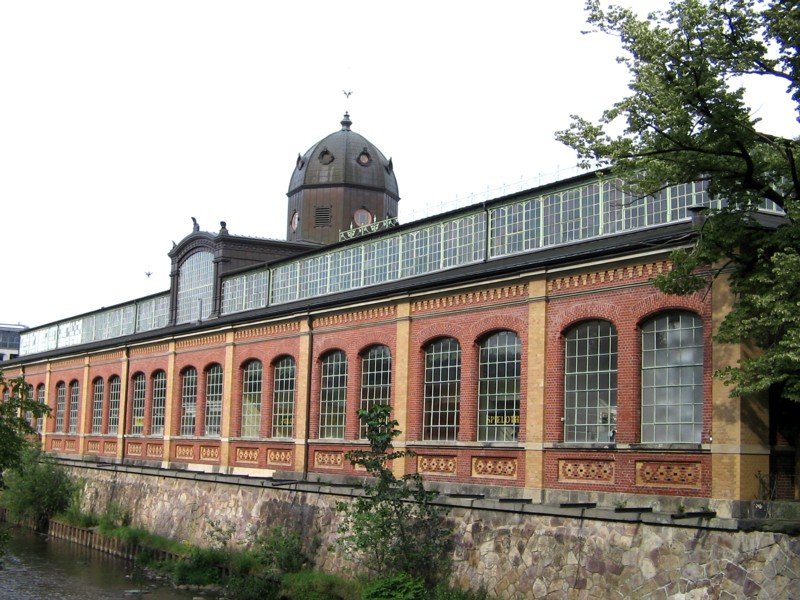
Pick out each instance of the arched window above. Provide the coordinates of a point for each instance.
(213, 419)
(29, 396)
(376, 380)
(158, 404)
(251, 399)
(195, 287)
(590, 383)
(98, 388)
(61, 401)
(188, 401)
(283, 398)
(137, 406)
(672, 378)
(333, 395)
(442, 390)
(40, 398)
(498, 387)
(114, 389)
(74, 400)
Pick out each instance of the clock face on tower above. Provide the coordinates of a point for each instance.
(295, 221)
(362, 217)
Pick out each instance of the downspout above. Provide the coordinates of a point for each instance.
(310, 369)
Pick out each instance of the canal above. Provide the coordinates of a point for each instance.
(36, 567)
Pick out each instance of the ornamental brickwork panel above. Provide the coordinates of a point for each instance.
(329, 460)
(247, 455)
(506, 293)
(93, 446)
(184, 451)
(494, 467)
(56, 445)
(280, 457)
(437, 465)
(109, 447)
(584, 471)
(209, 452)
(135, 448)
(673, 474)
(70, 445)
(155, 450)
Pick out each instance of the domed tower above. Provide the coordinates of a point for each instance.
(342, 181)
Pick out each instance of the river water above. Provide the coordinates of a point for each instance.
(36, 567)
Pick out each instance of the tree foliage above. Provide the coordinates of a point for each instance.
(17, 409)
(686, 119)
(394, 527)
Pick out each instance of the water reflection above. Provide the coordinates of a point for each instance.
(40, 568)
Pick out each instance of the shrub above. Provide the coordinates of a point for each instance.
(201, 567)
(281, 551)
(394, 527)
(37, 488)
(253, 587)
(400, 586)
(314, 585)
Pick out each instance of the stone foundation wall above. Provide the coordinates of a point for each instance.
(511, 554)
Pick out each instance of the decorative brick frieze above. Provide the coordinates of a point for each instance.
(109, 447)
(247, 455)
(209, 453)
(208, 340)
(135, 448)
(267, 330)
(368, 314)
(68, 364)
(622, 274)
(329, 460)
(107, 357)
(437, 465)
(669, 474)
(280, 457)
(184, 451)
(585, 471)
(93, 446)
(70, 445)
(56, 445)
(494, 467)
(509, 292)
(149, 350)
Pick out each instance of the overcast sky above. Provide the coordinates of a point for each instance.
(121, 120)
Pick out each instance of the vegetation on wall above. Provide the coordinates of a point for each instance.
(394, 527)
(687, 119)
(17, 409)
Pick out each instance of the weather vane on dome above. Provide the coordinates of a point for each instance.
(347, 93)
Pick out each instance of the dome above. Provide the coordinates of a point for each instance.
(344, 158)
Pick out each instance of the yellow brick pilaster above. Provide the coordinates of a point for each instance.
(401, 379)
(739, 426)
(122, 424)
(228, 402)
(303, 399)
(85, 408)
(536, 372)
(46, 422)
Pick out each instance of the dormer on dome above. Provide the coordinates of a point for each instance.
(342, 181)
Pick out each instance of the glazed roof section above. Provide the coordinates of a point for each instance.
(584, 209)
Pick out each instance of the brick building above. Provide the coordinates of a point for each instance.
(519, 341)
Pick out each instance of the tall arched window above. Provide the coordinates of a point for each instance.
(61, 402)
(195, 287)
(672, 378)
(158, 404)
(188, 401)
(213, 420)
(74, 401)
(442, 390)
(590, 383)
(333, 395)
(98, 388)
(137, 406)
(114, 389)
(283, 398)
(251, 399)
(41, 399)
(376, 380)
(498, 387)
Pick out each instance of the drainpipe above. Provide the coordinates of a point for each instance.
(309, 399)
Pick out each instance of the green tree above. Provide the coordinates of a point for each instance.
(686, 119)
(394, 527)
(16, 408)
